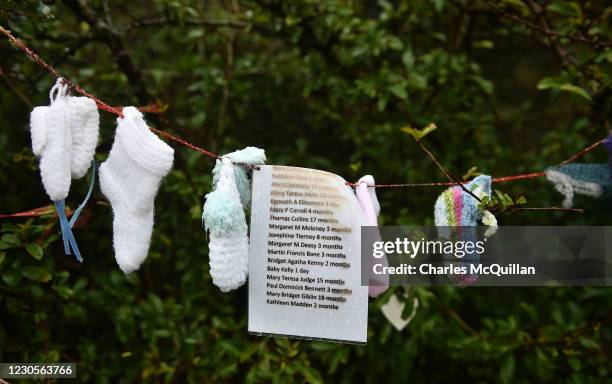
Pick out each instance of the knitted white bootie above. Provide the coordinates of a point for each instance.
(130, 178)
(84, 127)
(52, 143)
(224, 219)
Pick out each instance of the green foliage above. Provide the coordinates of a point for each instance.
(561, 85)
(514, 86)
(419, 134)
(500, 202)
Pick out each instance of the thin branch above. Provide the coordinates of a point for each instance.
(446, 173)
(80, 43)
(577, 210)
(566, 58)
(455, 316)
(9, 81)
(584, 151)
(117, 46)
(190, 22)
(546, 31)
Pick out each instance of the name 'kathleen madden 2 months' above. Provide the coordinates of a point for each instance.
(454, 269)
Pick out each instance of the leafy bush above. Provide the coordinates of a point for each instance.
(513, 86)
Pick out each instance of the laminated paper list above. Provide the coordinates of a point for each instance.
(304, 256)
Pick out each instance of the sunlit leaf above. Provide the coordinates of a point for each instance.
(418, 134)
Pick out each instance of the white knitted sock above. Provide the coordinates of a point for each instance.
(52, 142)
(225, 220)
(130, 178)
(84, 126)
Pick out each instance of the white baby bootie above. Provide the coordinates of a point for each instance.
(84, 127)
(130, 179)
(52, 143)
(224, 219)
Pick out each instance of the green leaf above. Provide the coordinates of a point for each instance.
(34, 250)
(588, 343)
(311, 375)
(395, 43)
(399, 90)
(9, 241)
(64, 292)
(439, 5)
(381, 103)
(472, 172)
(566, 8)
(485, 85)
(506, 370)
(518, 5)
(11, 277)
(563, 85)
(419, 134)
(484, 44)
(577, 91)
(551, 83)
(408, 59)
(9, 227)
(37, 274)
(574, 363)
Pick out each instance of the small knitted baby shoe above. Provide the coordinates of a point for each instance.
(455, 207)
(456, 214)
(224, 219)
(84, 127)
(52, 143)
(249, 155)
(130, 179)
(591, 180)
(366, 197)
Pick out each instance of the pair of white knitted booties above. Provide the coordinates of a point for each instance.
(64, 137)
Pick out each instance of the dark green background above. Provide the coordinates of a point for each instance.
(316, 84)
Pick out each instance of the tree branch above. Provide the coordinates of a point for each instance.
(190, 22)
(566, 58)
(117, 46)
(548, 32)
(444, 171)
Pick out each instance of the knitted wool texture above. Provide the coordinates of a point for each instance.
(130, 179)
(366, 197)
(64, 136)
(249, 155)
(593, 180)
(52, 143)
(224, 218)
(457, 208)
(85, 123)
